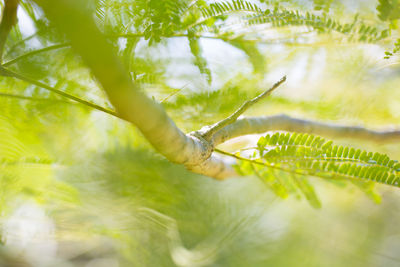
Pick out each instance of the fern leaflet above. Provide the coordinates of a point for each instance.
(296, 155)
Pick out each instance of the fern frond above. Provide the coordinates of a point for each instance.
(282, 183)
(369, 189)
(281, 17)
(321, 23)
(256, 59)
(323, 5)
(396, 49)
(308, 191)
(153, 18)
(218, 10)
(388, 9)
(199, 60)
(305, 154)
(225, 7)
(314, 155)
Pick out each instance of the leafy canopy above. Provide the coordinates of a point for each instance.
(158, 21)
(63, 154)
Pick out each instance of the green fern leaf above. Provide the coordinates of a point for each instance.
(388, 9)
(300, 151)
(256, 59)
(199, 60)
(306, 154)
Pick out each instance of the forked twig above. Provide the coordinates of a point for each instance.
(207, 135)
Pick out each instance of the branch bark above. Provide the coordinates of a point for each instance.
(8, 19)
(283, 122)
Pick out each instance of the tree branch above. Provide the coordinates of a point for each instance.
(72, 18)
(23, 97)
(210, 130)
(214, 166)
(7, 73)
(192, 150)
(18, 43)
(34, 52)
(8, 19)
(283, 122)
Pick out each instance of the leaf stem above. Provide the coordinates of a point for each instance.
(293, 171)
(22, 97)
(34, 52)
(6, 72)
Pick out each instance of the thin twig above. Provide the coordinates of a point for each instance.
(23, 97)
(231, 119)
(8, 73)
(20, 42)
(173, 93)
(170, 95)
(34, 52)
(8, 19)
(184, 35)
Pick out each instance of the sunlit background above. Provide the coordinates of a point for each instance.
(79, 187)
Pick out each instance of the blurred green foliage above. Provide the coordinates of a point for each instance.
(79, 187)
